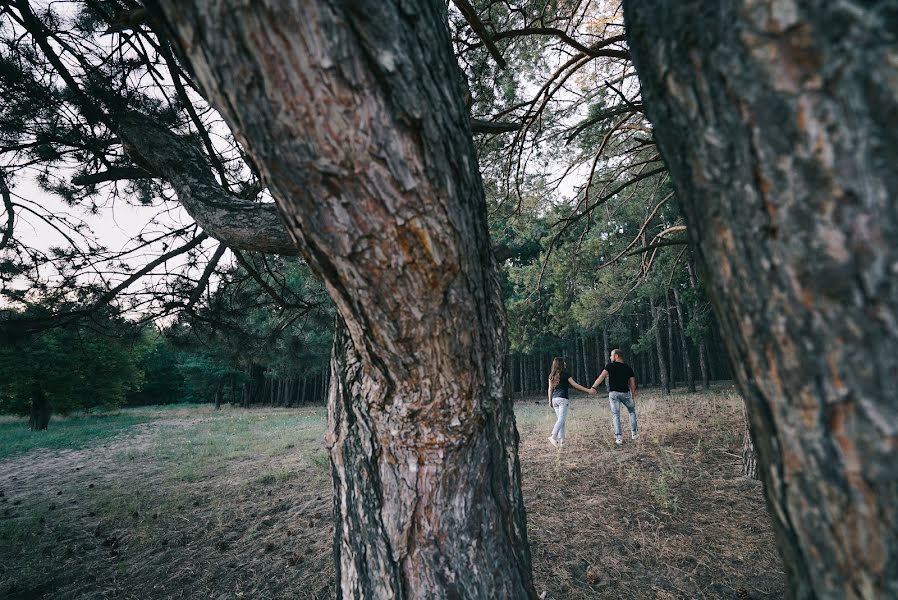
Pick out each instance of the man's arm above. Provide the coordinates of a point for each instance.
(633, 387)
(601, 378)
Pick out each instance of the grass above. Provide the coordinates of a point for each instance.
(72, 433)
(236, 503)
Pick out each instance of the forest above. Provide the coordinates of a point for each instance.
(342, 243)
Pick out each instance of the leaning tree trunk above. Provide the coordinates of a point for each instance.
(355, 114)
(777, 121)
(39, 418)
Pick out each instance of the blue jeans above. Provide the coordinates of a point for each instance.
(615, 399)
(561, 406)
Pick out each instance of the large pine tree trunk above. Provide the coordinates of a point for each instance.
(355, 114)
(777, 121)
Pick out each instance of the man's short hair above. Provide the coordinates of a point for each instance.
(617, 352)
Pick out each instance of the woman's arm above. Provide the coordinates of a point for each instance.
(550, 393)
(574, 384)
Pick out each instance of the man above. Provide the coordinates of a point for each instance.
(622, 388)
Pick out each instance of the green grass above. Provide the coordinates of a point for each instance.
(199, 450)
(67, 433)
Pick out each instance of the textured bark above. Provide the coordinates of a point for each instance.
(233, 220)
(749, 456)
(659, 347)
(354, 113)
(777, 121)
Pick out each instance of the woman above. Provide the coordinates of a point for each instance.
(560, 383)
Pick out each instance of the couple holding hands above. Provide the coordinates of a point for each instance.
(622, 389)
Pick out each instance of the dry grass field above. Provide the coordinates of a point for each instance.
(186, 502)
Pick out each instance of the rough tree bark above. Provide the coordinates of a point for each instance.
(749, 456)
(777, 121)
(354, 112)
(227, 217)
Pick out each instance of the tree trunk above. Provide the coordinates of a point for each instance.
(355, 114)
(39, 418)
(749, 458)
(662, 368)
(585, 375)
(218, 395)
(671, 374)
(777, 121)
(702, 346)
(684, 342)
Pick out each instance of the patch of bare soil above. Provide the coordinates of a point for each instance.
(666, 516)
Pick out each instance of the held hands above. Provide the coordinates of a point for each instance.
(592, 391)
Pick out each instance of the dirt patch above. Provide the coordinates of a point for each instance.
(667, 516)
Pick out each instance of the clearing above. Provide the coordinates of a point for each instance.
(187, 502)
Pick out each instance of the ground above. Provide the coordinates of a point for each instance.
(187, 502)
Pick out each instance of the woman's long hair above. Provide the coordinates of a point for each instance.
(558, 365)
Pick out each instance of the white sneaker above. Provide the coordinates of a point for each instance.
(618, 440)
(634, 435)
(553, 441)
(561, 443)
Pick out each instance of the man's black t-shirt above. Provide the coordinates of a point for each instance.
(562, 390)
(619, 375)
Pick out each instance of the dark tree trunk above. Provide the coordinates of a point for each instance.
(218, 395)
(671, 374)
(662, 368)
(702, 346)
(355, 114)
(777, 121)
(39, 418)
(684, 342)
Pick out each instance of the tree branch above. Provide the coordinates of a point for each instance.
(482, 126)
(655, 245)
(596, 50)
(234, 221)
(470, 15)
(114, 174)
(10, 213)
